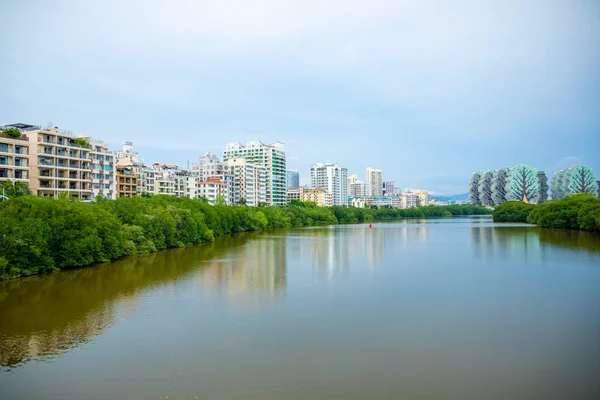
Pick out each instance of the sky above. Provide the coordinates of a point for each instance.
(427, 91)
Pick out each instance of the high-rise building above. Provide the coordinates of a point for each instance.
(249, 182)
(573, 180)
(356, 188)
(293, 178)
(332, 178)
(388, 188)
(520, 182)
(103, 169)
(375, 181)
(209, 165)
(272, 158)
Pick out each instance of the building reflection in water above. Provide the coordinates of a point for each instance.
(251, 275)
(333, 250)
(501, 241)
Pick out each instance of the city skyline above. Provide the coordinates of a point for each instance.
(501, 80)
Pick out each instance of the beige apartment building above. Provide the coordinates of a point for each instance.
(57, 161)
(14, 158)
(319, 196)
(294, 193)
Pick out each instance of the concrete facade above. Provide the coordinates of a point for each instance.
(270, 157)
(332, 178)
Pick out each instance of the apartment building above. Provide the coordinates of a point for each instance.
(103, 169)
(248, 182)
(356, 188)
(409, 200)
(212, 189)
(57, 162)
(332, 178)
(14, 158)
(423, 197)
(319, 196)
(209, 165)
(272, 158)
(146, 180)
(127, 181)
(294, 193)
(388, 188)
(375, 181)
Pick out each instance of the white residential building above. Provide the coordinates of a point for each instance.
(356, 188)
(332, 178)
(375, 181)
(212, 189)
(209, 165)
(270, 157)
(423, 196)
(249, 182)
(409, 200)
(103, 169)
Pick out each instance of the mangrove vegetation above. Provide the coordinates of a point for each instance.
(40, 234)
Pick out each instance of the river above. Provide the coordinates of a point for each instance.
(455, 308)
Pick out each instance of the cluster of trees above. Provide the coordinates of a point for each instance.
(351, 215)
(12, 189)
(580, 211)
(40, 234)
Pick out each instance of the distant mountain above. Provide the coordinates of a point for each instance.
(454, 197)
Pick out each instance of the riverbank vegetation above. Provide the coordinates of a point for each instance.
(580, 211)
(41, 234)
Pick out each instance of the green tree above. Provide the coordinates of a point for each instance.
(14, 189)
(12, 132)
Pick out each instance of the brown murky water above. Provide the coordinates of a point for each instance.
(423, 309)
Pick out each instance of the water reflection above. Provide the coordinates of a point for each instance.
(255, 273)
(504, 240)
(333, 250)
(49, 314)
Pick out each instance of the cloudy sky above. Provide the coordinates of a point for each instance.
(428, 91)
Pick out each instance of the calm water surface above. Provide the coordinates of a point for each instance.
(426, 309)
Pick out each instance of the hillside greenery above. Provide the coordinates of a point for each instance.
(40, 234)
(580, 211)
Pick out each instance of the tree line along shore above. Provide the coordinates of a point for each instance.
(580, 211)
(39, 235)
